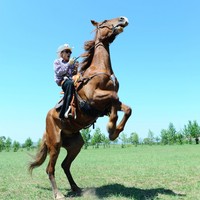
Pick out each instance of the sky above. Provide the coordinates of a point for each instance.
(156, 60)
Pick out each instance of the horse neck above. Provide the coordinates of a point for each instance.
(101, 59)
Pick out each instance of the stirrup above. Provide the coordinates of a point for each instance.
(67, 112)
(75, 113)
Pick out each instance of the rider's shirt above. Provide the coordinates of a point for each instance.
(62, 70)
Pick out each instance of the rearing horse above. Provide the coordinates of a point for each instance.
(98, 90)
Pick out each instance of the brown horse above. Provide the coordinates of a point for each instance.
(97, 95)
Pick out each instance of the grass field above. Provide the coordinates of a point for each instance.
(143, 172)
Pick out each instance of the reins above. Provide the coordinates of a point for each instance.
(90, 77)
(84, 80)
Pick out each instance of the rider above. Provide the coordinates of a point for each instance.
(64, 68)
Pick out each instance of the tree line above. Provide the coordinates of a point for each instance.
(189, 134)
(7, 144)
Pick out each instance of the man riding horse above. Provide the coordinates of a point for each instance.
(97, 89)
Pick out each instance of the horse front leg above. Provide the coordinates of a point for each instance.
(127, 113)
(73, 146)
(111, 126)
(113, 129)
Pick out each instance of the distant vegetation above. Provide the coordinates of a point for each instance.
(188, 135)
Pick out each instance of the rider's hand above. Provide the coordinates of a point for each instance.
(71, 61)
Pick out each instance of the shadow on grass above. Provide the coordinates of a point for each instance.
(43, 188)
(122, 191)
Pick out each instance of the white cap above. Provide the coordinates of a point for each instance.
(63, 47)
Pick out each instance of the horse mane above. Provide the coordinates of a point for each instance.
(88, 55)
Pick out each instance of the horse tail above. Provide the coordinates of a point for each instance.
(40, 156)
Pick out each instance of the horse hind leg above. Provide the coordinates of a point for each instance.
(73, 146)
(53, 141)
(53, 153)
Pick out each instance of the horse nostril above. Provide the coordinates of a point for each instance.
(124, 20)
(121, 19)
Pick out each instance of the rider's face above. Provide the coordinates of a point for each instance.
(66, 55)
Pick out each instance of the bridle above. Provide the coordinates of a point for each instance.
(106, 26)
(84, 80)
(98, 27)
(102, 25)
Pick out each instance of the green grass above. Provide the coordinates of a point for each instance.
(143, 172)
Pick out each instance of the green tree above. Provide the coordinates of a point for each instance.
(179, 138)
(97, 138)
(186, 133)
(86, 137)
(151, 137)
(28, 144)
(124, 139)
(2, 143)
(168, 136)
(171, 133)
(196, 131)
(157, 139)
(164, 136)
(105, 140)
(146, 141)
(8, 144)
(192, 130)
(134, 139)
(16, 146)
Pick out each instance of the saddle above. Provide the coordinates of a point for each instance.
(72, 108)
(78, 101)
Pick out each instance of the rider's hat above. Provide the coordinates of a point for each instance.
(62, 48)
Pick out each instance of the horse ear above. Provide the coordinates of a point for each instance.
(94, 22)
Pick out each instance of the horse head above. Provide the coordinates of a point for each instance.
(109, 29)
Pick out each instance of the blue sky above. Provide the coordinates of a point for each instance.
(156, 60)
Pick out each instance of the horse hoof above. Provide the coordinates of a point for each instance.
(59, 196)
(76, 189)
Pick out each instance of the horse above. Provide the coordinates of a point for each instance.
(97, 96)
